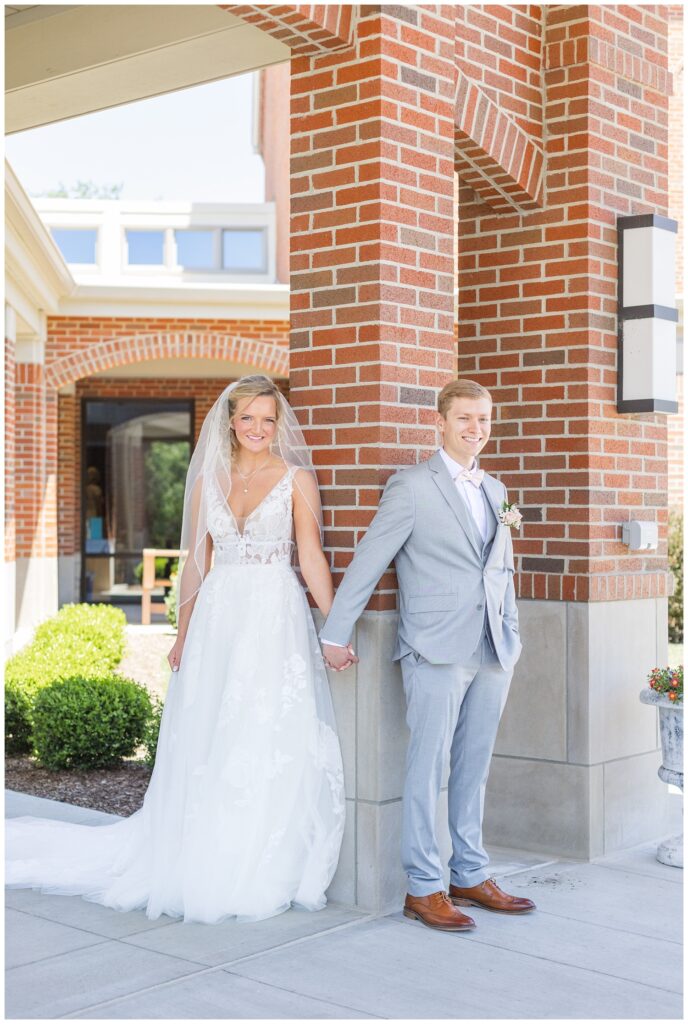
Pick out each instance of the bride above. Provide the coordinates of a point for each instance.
(244, 813)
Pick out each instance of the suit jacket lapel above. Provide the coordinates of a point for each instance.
(443, 480)
(494, 500)
(491, 492)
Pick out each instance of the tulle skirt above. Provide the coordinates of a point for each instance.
(244, 813)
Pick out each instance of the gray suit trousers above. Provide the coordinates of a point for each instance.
(451, 710)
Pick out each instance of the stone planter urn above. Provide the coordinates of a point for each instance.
(671, 769)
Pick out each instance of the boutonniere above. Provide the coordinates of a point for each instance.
(509, 515)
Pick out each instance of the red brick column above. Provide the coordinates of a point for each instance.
(10, 468)
(372, 265)
(537, 312)
(68, 474)
(36, 454)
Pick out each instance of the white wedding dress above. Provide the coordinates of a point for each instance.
(244, 813)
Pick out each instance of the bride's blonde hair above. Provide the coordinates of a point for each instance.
(254, 386)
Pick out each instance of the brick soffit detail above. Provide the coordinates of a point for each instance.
(590, 49)
(139, 348)
(498, 159)
(307, 29)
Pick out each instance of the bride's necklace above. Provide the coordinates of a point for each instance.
(247, 479)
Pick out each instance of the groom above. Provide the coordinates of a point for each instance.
(443, 524)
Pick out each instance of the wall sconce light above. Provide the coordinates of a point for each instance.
(647, 314)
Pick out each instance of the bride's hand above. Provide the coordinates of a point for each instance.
(339, 658)
(175, 655)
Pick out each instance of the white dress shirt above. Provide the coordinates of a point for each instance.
(471, 495)
(469, 491)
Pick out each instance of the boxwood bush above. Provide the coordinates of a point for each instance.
(84, 722)
(17, 719)
(171, 602)
(152, 733)
(98, 628)
(81, 640)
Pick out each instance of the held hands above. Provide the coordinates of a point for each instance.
(339, 658)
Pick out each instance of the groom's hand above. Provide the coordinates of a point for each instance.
(339, 658)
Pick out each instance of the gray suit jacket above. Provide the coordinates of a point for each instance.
(449, 580)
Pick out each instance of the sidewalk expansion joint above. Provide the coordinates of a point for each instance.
(474, 937)
(213, 969)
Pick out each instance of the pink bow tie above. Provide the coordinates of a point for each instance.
(474, 475)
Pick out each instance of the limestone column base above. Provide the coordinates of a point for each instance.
(35, 593)
(575, 766)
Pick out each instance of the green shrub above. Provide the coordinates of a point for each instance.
(18, 723)
(98, 627)
(81, 640)
(171, 602)
(676, 566)
(152, 733)
(160, 569)
(89, 723)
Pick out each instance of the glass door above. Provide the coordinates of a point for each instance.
(135, 454)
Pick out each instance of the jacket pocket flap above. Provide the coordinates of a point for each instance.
(433, 603)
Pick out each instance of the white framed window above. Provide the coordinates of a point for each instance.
(145, 247)
(196, 248)
(244, 250)
(77, 245)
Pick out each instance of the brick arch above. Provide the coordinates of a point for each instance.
(140, 348)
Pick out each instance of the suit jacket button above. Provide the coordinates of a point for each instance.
(479, 607)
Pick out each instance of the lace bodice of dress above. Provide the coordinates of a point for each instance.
(266, 538)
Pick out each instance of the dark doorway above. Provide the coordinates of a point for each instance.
(134, 458)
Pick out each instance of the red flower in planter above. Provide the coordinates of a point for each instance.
(667, 681)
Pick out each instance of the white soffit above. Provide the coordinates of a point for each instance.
(37, 277)
(223, 302)
(65, 61)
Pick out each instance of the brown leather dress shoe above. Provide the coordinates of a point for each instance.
(490, 896)
(437, 911)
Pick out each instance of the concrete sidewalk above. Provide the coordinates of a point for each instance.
(604, 943)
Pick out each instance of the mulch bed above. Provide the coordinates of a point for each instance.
(115, 790)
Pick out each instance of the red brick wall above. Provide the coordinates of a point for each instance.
(372, 256)
(74, 343)
(537, 312)
(10, 468)
(36, 463)
(68, 474)
(500, 48)
(79, 346)
(372, 223)
(74, 349)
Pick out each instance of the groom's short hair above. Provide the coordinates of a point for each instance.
(461, 388)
